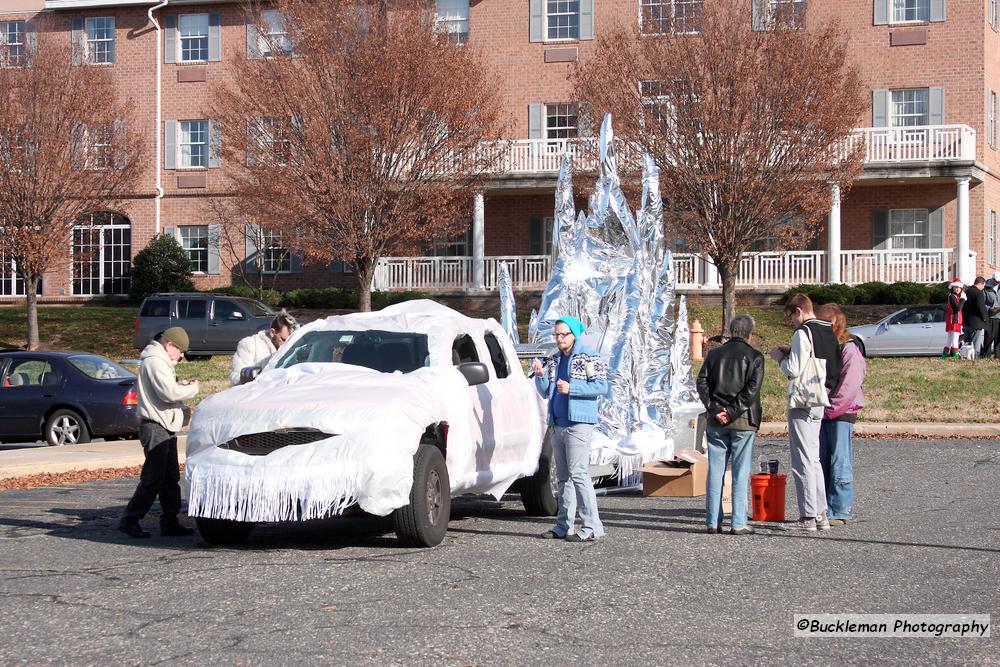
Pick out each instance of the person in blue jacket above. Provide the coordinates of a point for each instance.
(572, 379)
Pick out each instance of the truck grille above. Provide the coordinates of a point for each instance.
(262, 444)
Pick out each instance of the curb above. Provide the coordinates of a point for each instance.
(74, 458)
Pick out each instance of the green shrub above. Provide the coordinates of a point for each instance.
(162, 266)
(938, 293)
(326, 299)
(270, 297)
(906, 293)
(820, 294)
(382, 299)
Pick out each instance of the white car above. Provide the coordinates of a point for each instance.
(912, 331)
(395, 412)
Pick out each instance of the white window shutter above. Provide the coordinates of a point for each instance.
(536, 115)
(214, 253)
(214, 145)
(170, 39)
(881, 12)
(880, 108)
(214, 37)
(536, 21)
(171, 232)
(586, 19)
(31, 37)
(760, 10)
(938, 11)
(170, 144)
(880, 229)
(251, 264)
(936, 106)
(79, 41)
(253, 41)
(935, 232)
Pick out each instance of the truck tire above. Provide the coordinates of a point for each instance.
(538, 492)
(424, 522)
(223, 531)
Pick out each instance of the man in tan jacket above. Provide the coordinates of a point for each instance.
(161, 415)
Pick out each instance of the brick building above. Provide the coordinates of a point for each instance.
(925, 207)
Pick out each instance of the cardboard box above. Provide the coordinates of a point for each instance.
(684, 476)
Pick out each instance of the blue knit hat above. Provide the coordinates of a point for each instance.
(575, 325)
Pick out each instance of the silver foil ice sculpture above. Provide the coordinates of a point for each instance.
(613, 271)
(508, 310)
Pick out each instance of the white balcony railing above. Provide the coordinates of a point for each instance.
(764, 270)
(924, 143)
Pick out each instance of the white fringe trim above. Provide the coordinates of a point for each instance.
(272, 494)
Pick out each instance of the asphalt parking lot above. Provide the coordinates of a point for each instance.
(655, 590)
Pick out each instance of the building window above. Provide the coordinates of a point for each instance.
(11, 284)
(275, 256)
(99, 147)
(904, 11)
(102, 255)
(453, 20)
(457, 247)
(101, 40)
(661, 17)
(540, 236)
(792, 12)
(11, 43)
(991, 240)
(910, 107)
(275, 39)
(194, 240)
(273, 141)
(908, 228)
(561, 121)
(562, 19)
(192, 32)
(193, 143)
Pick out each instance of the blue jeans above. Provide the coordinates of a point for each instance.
(571, 448)
(728, 446)
(835, 457)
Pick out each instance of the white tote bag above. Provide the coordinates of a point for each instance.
(808, 389)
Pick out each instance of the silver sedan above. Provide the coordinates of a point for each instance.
(910, 332)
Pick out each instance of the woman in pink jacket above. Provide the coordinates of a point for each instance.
(838, 420)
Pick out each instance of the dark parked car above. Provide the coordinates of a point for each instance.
(65, 398)
(215, 323)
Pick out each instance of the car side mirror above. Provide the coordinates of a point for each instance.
(474, 372)
(236, 316)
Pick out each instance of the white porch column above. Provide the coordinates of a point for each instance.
(963, 265)
(478, 241)
(833, 237)
(711, 273)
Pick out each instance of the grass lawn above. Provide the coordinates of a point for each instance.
(906, 389)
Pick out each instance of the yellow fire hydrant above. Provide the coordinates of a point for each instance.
(697, 340)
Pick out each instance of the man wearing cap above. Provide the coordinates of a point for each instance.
(572, 379)
(161, 399)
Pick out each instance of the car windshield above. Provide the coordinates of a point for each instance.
(99, 368)
(256, 308)
(384, 351)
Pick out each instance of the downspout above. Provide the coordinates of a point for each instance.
(159, 113)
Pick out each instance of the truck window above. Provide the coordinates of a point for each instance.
(463, 350)
(155, 308)
(191, 309)
(497, 356)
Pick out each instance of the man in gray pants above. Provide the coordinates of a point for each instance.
(812, 337)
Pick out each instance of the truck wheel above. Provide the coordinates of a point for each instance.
(223, 531)
(424, 522)
(65, 427)
(538, 492)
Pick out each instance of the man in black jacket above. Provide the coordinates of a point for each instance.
(729, 386)
(975, 314)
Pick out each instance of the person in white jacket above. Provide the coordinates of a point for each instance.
(253, 352)
(161, 415)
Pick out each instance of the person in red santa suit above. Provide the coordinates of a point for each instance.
(953, 319)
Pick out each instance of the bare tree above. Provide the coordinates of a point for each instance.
(65, 152)
(748, 119)
(357, 130)
(233, 233)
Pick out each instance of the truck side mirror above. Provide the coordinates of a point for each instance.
(475, 372)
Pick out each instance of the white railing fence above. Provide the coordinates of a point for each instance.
(766, 270)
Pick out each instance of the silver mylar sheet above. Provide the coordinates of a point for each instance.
(508, 310)
(613, 271)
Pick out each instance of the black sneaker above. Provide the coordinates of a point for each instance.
(132, 529)
(713, 530)
(175, 530)
(551, 535)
